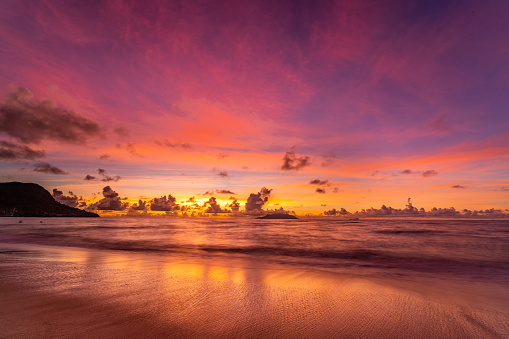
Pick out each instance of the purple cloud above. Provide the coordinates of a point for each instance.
(430, 173)
(256, 201)
(29, 120)
(291, 162)
(12, 152)
(44, 167)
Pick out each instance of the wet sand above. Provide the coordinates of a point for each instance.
(52, 292)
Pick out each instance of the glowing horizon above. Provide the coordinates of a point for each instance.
(376, 103)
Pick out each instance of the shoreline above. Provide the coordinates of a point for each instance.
(67, 292)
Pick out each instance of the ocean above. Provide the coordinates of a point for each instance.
(248, 278)
(465, 250)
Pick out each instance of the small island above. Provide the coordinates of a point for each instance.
(19, 199)
(278, 216)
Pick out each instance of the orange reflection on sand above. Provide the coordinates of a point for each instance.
(218, 273)
(211, 273)
(74, 255)
(121, 262)
(238, 277)
(187, 270)
(218, 297)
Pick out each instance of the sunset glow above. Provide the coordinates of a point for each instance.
(326, 105)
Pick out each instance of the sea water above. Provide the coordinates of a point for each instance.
(467, 250)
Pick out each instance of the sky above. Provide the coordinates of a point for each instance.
(302, 105)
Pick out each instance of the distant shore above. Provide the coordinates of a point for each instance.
(48, 291)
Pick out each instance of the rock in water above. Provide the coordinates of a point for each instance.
(278, 216)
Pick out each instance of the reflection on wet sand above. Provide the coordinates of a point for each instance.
(73, 292)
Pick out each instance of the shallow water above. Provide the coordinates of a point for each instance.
(463, 249)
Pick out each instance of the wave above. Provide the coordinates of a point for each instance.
(446, 247)
(423, 232)
(383, 258)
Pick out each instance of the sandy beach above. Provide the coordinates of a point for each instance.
(53, 292)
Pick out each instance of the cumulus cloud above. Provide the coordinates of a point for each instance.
(139, 209)
(69, 200)
(291, 162)
(322, 186)
(280, 210)
(224, 192)
(108, 178)
(430, 173)
(105, 177)
(140, 206)
(492, 212)
(426, 174)
(214, 206)
(234, 205)
(29, 120)
(373, 212)
(44, 167)
(218, 192)
(334, 212)
(166, 204)
(109, 193)
(256, 201)
(457, 186)
(11, 152)
(410, 210)
(319, 182)
(110, 202)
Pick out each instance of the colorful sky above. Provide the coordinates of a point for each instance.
(329, 104)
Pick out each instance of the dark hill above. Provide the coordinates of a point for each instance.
(31, 200)
(278, 216)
